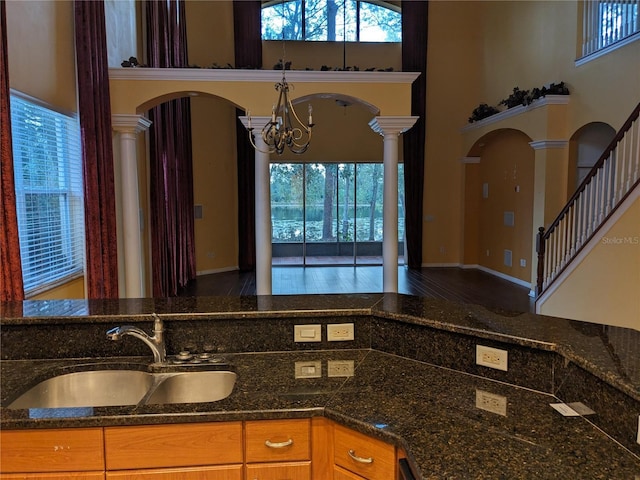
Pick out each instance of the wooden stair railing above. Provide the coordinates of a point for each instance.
(608, 183)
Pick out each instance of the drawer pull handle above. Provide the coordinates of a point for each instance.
(271, 444)
(353, 455)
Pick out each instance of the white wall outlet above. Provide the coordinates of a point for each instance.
(491, 402)
(340, 368)
(340, 332)
(307, 333)
(311, 369)
(491, 357)
(523, 262)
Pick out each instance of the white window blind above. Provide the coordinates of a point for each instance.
(607, 24)
(48, 175)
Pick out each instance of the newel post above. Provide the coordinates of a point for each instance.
(540, 249)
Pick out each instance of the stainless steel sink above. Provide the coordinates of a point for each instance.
(105, 388)
(95, 388)
(193, 387)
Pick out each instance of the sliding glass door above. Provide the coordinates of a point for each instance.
(329, 213)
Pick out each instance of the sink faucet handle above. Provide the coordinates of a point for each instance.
(158, 326)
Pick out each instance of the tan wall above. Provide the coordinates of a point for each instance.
(507, 168)
(41, 53)
(604, 287)
(214, 183)
(454, 83)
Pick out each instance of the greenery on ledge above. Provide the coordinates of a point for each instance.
(132, 62)
(518, 97)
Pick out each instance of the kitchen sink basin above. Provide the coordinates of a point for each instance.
(105, 388)
(193, 387)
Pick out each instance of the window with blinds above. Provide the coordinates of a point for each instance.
(609, 24)
(49, 196)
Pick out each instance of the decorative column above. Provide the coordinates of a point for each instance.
(263, 207)
(127, 128)
(550, 189)
(390, 128)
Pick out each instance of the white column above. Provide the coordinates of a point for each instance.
(390, 128)
(127, 128)
(263, 208)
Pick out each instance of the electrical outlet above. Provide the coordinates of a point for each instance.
(311, 369)
(307, 333)
(340, 368)
(339, 332)
(491, 402)
(523, 262)
(491, 357)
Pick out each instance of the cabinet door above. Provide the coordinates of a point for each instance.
(279, 471)
(366, 456)
(277, 440)
(54, 450)
(53, 476)
(221, 472)
(184, 445)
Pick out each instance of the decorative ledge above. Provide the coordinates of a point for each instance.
(246, 75)
(514, 111)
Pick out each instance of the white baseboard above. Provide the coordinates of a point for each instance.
(216, 270)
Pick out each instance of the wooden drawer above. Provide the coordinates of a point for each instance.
(56, 450)
(340, 473)
(221, 472)
(53, 476)
(277, 440)
(157, 446)
(380, 456)
(279, 471)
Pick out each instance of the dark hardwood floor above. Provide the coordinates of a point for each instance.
(455, 284)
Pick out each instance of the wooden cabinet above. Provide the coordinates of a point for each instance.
(220, 472)
(168, 452)
(295, 449)
(368, 457)
(278, 449)
(75, 453)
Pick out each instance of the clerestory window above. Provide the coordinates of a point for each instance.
(331, 20)
(49, 196)
(608, 24)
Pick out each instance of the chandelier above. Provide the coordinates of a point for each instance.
(285, 129)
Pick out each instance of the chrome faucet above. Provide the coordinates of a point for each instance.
(155, 343)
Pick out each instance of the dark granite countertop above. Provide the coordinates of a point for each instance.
(611, 353)
(401, 391)
(429, 411)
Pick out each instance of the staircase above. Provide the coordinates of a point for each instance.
(611, 180)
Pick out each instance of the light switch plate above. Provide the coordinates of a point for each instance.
(311, 369)
(307, 333)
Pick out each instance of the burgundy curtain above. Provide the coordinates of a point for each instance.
(414, 59)
(171, 170)
(11, 286)
(97, 150)
(248, 54)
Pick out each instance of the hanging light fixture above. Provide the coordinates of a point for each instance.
(285, 129)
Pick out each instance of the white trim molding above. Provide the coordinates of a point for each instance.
(269, 76)
(545, 144)
(128, 122)
(470, 160)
